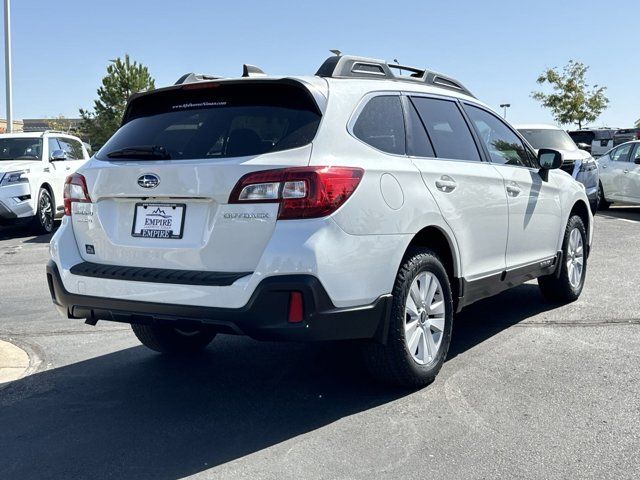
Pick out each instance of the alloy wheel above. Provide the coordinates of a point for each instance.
(424, 318)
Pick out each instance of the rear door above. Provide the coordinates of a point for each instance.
(535, 213)
(631, 179)
(469, 192)
(169, 207)
(617, 170)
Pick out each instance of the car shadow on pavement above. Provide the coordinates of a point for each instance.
(135, 414)
(624, 213)
(23, 231)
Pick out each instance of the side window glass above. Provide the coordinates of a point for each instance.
(447, 129)
(621, 154)
(418, 143)
(53, 145)
(381, 124)
(504, 146)
(72, 147)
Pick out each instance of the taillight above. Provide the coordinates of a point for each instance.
(296, 308)
(303, 192)
(638, 135)
(75, 190)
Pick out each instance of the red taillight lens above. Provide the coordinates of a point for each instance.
(296, 311)
(75, 190)
(303, 192)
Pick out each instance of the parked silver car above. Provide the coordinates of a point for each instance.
(577, 163)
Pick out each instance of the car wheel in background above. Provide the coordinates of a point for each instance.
(43, 220)
(566, 285)
(165, 339)
(420, 324)
(602, 204)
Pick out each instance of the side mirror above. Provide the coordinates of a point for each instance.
(637, 161)
(58, 156)
(549, 159)
(584, 146)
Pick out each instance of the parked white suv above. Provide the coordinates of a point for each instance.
(353, 204)
(33, 169)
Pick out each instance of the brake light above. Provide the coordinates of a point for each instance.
(75, 190)
(296, 310)
(302, 192)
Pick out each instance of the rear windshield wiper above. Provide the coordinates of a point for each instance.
(154, 152)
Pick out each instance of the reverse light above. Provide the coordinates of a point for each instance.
(12, 178)
(75, 190)
(302, 192)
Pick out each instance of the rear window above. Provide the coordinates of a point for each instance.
(219, 121)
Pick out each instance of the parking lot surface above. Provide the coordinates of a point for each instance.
(530, 390)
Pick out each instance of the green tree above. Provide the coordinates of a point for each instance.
(572, 100)
(123, 79)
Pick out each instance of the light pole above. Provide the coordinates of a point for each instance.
(504, 106)
(7, 64)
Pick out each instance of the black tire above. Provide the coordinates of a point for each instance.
(42, 222)
(559, 288)
(392, 363)
(169, 340)
(602, 204)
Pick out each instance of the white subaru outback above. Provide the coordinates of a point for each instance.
(353, 204)
(33, 169)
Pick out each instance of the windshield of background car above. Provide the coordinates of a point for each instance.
(20, 149)
(546, 138)
(211, 121)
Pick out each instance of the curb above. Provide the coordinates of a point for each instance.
(15, 363)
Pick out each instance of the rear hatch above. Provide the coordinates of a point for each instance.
(159, 188)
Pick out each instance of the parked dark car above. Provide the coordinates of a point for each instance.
(596, 141)
(626, 135)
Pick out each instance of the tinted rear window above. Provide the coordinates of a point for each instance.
(447, 129)
(381, 124)
(232, 120)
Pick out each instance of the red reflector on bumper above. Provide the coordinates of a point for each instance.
(295, 307)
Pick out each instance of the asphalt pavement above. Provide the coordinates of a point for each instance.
(530, 390)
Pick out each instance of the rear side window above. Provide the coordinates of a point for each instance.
(504, 146)
(219, 121)
(447, 129)
(381, 124)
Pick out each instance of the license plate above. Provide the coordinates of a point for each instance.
(158, 220)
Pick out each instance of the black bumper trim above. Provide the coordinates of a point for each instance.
(264, 317)
(157, 275)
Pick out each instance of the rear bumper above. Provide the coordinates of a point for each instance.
(264, 317)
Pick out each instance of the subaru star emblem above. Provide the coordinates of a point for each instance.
(149, 180)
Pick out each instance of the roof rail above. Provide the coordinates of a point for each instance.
(195, 77)
(54, 131)
(347, 66)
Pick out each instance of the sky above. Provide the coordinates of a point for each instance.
(496, 49)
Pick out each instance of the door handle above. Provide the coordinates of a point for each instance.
(513, 189)
(446, 184)
(626, 171)
(68, 168)
(603, 166)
